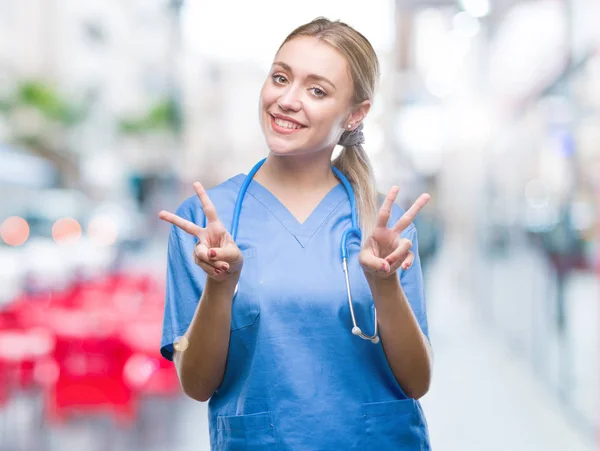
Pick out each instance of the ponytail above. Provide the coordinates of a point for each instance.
(354, 163)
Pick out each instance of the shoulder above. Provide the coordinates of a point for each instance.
(223, 196)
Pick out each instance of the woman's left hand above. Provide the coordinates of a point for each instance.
(384, 251)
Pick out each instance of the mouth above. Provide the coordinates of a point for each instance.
(285, 126)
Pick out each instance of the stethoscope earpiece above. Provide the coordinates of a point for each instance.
(358, 332)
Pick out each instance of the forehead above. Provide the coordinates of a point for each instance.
(308, 55)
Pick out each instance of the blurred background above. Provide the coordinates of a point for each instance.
(109, 109)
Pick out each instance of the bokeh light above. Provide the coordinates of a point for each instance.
(102, 231)
(14, 231)
(66, 230)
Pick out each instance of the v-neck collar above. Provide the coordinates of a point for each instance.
(303, 232)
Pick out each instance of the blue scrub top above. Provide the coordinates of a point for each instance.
(296, 378)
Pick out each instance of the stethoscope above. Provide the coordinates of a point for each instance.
(354, 231)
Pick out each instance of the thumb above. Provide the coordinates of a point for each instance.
(230, 253)
(201, 251)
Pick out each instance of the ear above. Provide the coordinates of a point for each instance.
(359, 112)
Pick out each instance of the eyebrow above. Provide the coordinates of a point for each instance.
(313, 76)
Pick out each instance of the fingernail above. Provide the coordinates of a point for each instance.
(217, 271)
(212, 253)
(224, 267)
(384, 267)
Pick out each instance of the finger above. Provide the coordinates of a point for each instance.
(209, 209)
(220, 265)
(183, 224)
(386, 209)
(408, 217)
(209, 269)
(408, 261)
(201, 253)
(372, 263)
(399, 254)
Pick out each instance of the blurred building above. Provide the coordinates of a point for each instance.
(116, 63)
(498, 101)
(221, 110)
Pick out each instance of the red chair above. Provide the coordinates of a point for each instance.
(90, 360)
(106, 356)
(20, 352)
(92, 347)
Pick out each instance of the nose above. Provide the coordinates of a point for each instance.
(289, 100)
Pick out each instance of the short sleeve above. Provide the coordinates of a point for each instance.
(412, 279)
(185, 282)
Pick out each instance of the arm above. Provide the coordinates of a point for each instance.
(399, 299)
(201, 365)
(406, 348)
(203, 268)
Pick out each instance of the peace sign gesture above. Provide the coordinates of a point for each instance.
(215, 252)
(384, 251)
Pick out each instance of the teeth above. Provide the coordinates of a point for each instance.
(286, 124)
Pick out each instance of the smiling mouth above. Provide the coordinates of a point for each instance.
(283, 126)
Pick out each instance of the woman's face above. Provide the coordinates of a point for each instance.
(306, 100)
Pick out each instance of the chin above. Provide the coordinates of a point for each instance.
(281, 145)
(281, 149)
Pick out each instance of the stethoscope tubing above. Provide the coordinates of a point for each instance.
(354, 231)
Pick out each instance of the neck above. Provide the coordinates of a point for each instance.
(299, 172)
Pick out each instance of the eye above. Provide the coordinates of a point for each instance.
(318, 92)
(279, 78)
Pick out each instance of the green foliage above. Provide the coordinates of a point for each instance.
(31, 142)
(44, 98)
(163, 116)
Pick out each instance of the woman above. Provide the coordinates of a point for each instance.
(280, 358)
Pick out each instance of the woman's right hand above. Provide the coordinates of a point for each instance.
(216, 252)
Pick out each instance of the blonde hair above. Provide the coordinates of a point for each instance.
(353, 161)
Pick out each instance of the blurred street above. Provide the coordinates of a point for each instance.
(484, 395)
